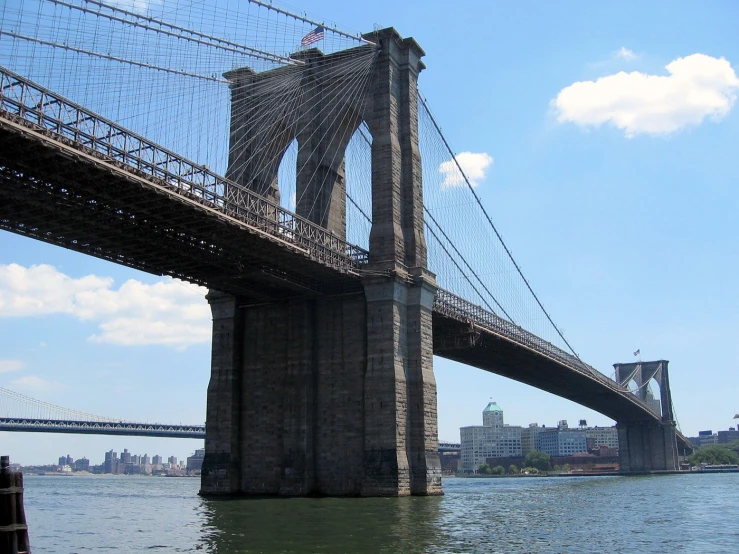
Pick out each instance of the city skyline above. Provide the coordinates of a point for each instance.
(123, 456)
(622, 221)
(495, 439)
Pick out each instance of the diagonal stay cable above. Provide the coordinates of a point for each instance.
(456, 250)
(466, 278)
(492, 225)
(464, 260)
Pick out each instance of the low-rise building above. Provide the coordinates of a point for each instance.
(492, 439)
(601, 436)
(83, 464)
(707, 437)
(725, 437)
(562, 442)
(528, 437)
(195, 462)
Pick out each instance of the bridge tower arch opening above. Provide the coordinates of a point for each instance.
(358, 159)
(317, 195)
(317, 392)
(648, 445)
(287, 176)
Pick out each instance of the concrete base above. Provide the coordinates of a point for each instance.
(644, 447)
(322, 396)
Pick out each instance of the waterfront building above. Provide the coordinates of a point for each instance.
(492, 439)
(601, 436)
(562, 442)
(707, 437)
(492, 416)
(509, 441)
(172, 460)
(725, 437)
(111, 462)
(528, 437)
(145, 460)
(156, 461)
(195, 462)
(125, 457)
(477, 446)
(83, 464)
(605, 452)
(65, 461)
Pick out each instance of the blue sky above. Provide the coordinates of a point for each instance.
(614, 182)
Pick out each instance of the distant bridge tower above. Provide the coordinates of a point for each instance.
(647, 445)
(333, 394)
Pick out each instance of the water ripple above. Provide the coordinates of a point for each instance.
(658, 514)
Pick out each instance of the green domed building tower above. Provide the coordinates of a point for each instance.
(492, 416)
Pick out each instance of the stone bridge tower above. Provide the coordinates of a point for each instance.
(331, 395)
(645, 446)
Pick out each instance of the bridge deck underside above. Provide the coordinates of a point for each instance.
(503, 357)
(72, 198)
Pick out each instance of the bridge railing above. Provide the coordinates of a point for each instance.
(458, 308)
(73, 124)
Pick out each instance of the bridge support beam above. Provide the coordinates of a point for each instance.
(646, 446)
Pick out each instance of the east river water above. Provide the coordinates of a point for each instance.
(651, 514)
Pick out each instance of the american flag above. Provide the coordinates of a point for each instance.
(314, 36)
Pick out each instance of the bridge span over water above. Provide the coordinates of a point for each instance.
(321, 378)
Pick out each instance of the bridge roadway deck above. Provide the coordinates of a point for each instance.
(102, 190)
(128, 428)
(469, 334)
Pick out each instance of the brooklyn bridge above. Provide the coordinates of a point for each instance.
(342, 243)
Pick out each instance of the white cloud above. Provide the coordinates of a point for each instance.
(168, 312)
(6, 366)
(698, 86)
(35, 384)
(626, 54)
(474, 166)
(135, 5)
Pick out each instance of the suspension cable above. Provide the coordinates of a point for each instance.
(492, 225)
(310, 21)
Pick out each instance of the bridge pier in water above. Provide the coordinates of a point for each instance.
(645, 446)
(331, 394)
